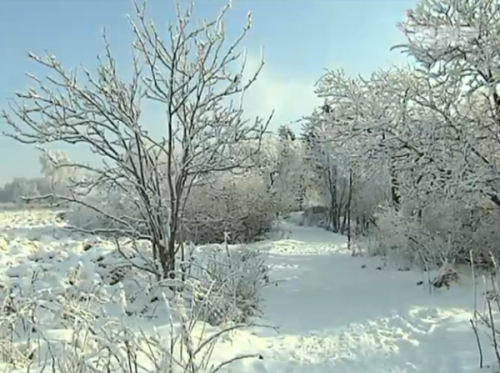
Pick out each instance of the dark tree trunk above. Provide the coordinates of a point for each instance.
(394, 186)
(348, 214)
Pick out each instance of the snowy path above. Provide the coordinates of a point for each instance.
(335, 316)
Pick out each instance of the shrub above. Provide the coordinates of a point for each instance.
(232, 278)
(241, 206)
(445, 231)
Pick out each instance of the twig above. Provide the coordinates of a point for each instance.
(493, 329)
(474, 328)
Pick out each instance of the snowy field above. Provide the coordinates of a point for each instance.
(333, 312)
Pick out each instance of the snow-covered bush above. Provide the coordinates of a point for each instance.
(227, 282)
(240, 206)
(404, 237)
(445, 231)
(117, 214)
(67, 334)
(219, 283)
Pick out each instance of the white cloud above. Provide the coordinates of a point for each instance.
(291, 97)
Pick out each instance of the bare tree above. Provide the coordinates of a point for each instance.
(198, 79)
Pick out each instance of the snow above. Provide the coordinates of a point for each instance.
(332, 312)
(336, 316)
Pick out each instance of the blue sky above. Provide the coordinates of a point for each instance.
(301, 38)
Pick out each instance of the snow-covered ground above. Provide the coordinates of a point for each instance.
(342, 314)
(334, 313)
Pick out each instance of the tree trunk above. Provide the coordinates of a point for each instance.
(394, 186)
(334, 213)
(348, 214)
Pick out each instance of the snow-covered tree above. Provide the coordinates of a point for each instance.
(456, 45)
(18, 189)
(291, 174)
(57, 170)
(195, 75)
(344, 140)
(428, 134)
